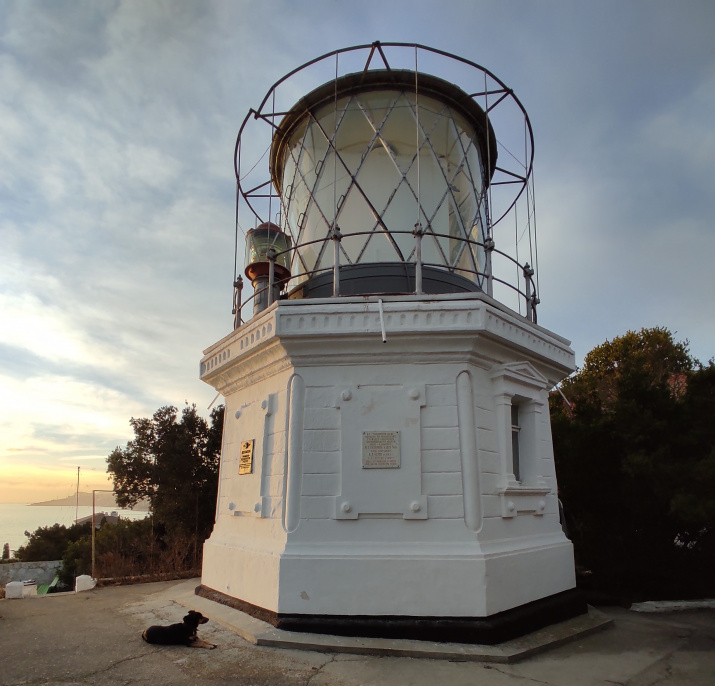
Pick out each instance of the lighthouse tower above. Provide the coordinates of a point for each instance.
(387, 466)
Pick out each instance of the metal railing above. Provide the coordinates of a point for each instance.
(485, 278)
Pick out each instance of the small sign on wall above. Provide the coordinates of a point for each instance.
(245, 465)
(380, 449)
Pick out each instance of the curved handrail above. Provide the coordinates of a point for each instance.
(529, 295)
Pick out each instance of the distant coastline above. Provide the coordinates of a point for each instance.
(85, 499)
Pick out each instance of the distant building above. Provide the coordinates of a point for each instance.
(100, 518)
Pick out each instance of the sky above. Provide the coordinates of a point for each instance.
(117, 194)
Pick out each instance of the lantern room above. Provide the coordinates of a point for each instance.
(377, 157)
(389, 178)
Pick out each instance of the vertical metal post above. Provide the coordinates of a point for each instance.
(271, 255)
(237, 297)
(418, 232)
(336, 237)
(534, 302)
(528, 273)
(488, 248)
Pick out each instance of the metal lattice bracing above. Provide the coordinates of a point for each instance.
(385, 146)
(375, 163)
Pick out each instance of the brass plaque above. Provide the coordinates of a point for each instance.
(380, 449)
(245, 465)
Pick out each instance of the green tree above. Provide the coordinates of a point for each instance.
(636, 465)
(127, 548)
(76, 560)
(173, 462)
(650, 354)
(50, 542)
(6, 551)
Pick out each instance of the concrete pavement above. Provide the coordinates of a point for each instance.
(94, 638)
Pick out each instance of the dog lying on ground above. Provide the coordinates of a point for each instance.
(179, 634)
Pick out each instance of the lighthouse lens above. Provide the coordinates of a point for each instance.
(376, 163)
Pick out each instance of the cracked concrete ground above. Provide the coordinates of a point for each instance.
(95, 638)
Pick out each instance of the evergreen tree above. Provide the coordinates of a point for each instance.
(173, 462)
(635, 455)
(50, 542)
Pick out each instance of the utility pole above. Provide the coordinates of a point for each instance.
(76, 506)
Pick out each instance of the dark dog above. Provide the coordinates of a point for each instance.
(179, 634)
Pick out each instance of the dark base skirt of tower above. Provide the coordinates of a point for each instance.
(491, 630)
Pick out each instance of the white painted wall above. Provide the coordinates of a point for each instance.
(449, 533)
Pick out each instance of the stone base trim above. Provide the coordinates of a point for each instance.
(503, 626)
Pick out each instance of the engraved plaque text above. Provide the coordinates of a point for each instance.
(245, 465)
(380, 449)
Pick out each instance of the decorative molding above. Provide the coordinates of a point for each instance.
(469, 451)
(352, 324)
(516, 500)
(522, 373)
(373, 493)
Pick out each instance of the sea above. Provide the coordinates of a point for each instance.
(16, 518)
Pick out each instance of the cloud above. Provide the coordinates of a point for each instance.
(118, 122)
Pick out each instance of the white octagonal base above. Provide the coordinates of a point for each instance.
(369, 479)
